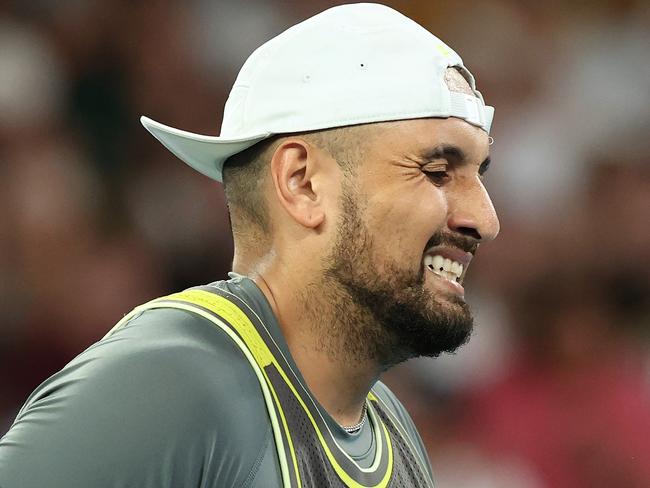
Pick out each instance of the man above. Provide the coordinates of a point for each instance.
(355, 144)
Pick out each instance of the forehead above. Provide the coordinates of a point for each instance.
(407, 137)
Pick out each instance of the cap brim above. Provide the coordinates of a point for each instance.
(206, 154)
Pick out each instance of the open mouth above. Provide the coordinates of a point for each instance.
(444, 267)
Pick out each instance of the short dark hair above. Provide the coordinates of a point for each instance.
(243, 175)
(245, 172)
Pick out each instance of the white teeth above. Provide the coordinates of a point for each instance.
(445, 267)
(438, 261)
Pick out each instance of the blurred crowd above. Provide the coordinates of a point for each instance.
(96, 217)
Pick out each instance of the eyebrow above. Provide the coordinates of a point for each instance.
(451, 152)
(443, 151)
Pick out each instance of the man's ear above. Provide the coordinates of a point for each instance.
(297, 177)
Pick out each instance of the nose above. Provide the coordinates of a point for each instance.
(472, 214)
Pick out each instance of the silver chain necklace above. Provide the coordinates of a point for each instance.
(353, 429)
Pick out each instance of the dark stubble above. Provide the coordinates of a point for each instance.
(388, 316)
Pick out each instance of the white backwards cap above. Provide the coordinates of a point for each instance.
(348, 65)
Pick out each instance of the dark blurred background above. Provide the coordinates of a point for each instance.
(97, 217)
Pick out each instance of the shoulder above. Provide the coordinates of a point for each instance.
(167, 395)
(399, 414)
(171, 354)
(388, 399)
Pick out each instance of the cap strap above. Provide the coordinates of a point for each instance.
(472, 109)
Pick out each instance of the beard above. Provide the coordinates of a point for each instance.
(385, 316)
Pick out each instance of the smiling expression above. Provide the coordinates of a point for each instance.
(412, 217)
(423, 178)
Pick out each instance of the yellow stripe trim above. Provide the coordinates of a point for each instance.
(258, 348)
(262, 356)
(260, 373)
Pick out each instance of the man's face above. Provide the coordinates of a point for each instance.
(411, 219)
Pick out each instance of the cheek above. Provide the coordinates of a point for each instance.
(403, 224)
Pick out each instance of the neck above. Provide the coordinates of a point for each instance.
(336, 371)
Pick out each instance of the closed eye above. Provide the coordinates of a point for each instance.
(438, 177)
(437, 172)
